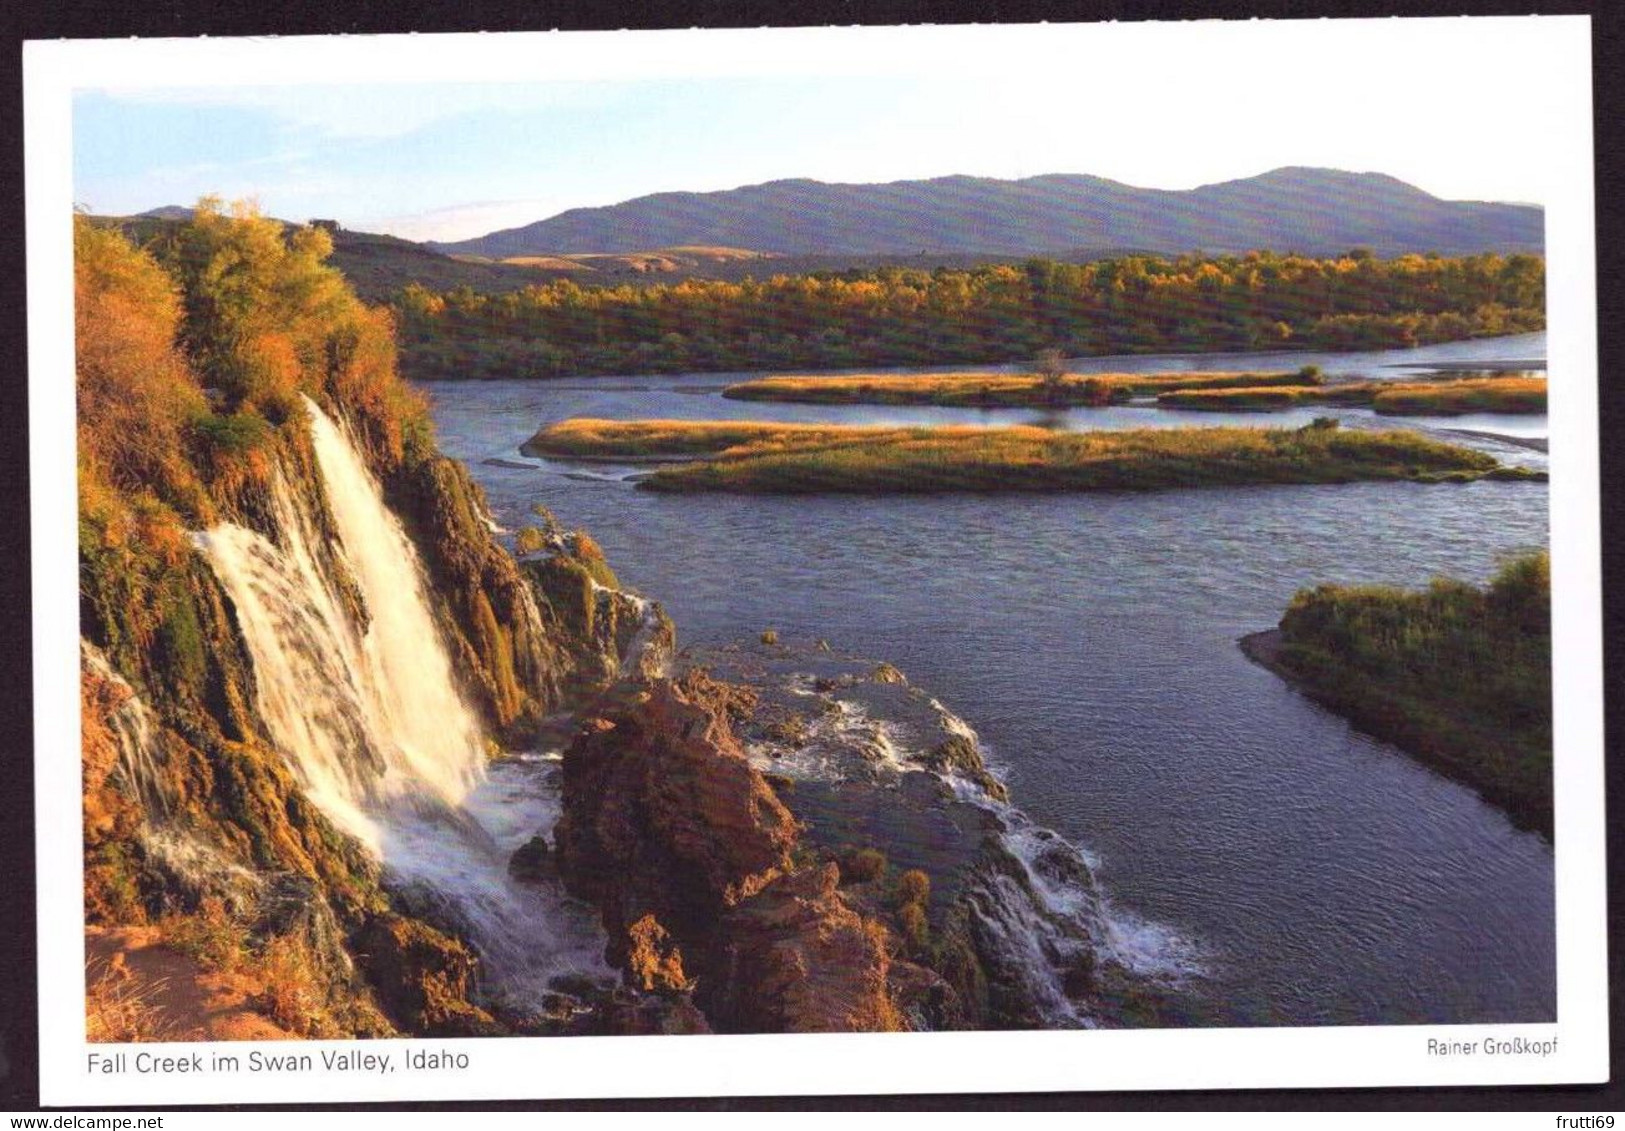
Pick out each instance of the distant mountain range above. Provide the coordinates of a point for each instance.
(1315, 211)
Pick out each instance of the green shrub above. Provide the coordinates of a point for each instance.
(550, 522)
(1457, 675)
(864, 865)
(180, 642)
(529, 540)
(591, 557)
(913, 887)
(916, 928)
(231, 435)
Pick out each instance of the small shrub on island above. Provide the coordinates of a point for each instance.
(1456, 674)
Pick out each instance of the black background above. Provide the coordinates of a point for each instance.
(77, 19)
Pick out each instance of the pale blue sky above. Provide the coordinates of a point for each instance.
(451, 161)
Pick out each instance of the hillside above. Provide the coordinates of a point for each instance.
(379, 267)
(1300, 209)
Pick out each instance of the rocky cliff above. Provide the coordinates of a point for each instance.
(200, 821)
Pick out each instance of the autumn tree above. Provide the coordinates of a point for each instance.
(1050, 367)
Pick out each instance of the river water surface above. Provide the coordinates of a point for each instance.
(1313, 875)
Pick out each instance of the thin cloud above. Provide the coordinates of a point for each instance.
(374, 111)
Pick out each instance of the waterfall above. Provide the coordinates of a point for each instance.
(136, 733)
(434, 731)
(189, 861)
(368, 713)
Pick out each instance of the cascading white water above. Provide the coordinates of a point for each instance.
(436, 733)
(371, 719)
(1041, 922)
(136, 733)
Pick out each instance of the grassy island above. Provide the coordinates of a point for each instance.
(997, 390)
(1419, 398)
(758, 457)
(1458, 676)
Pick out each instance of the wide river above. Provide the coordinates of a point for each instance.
(1309, 873)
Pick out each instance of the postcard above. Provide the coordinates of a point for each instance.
(816, 561)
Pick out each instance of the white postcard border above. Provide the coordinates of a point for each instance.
(1559, 70)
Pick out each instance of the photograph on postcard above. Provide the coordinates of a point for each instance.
(749, 548)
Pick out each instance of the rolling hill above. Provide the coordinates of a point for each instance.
(1290, 209)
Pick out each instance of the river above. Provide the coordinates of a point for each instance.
(1308, 873)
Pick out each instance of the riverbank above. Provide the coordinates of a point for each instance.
(1457, 676)
(758, 457)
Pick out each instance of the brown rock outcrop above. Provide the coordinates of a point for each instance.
(663, 814)
(422, 978)
(797, 959)
(686, 850)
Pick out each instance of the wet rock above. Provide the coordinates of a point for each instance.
(926, 999)
(423, 978)
(291, 904)
(986, 948)
(788, 728)
(886, 673)
(958, 754)
(626, 1014)
(1078, 974)
(663, 814)
(532, 861)
(606, 633)
(517, 665)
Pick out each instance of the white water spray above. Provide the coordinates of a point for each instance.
(368, 713)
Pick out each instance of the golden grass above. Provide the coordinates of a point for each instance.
(212, 935)
(993, 390)
(549, 262)
(752, 456)
(1481, 394)
(119, 1009)
(587, 438)
(295, 993)
(1420, 398)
